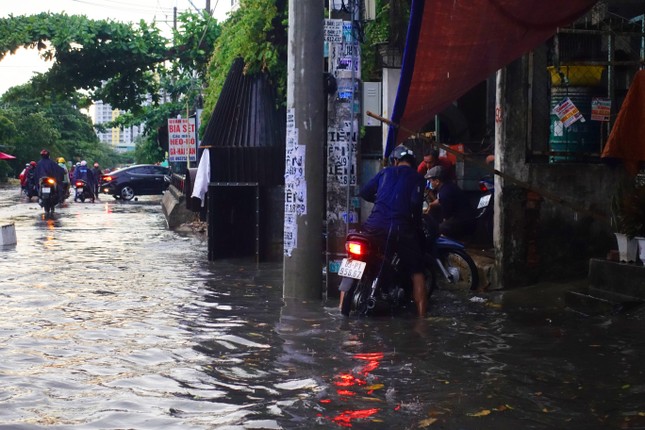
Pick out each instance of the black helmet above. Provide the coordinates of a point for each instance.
(44, 153)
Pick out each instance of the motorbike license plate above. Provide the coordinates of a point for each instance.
(351, 268)
(46, 189)
(80, 189)
(484, 201)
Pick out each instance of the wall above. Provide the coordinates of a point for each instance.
(545, 239)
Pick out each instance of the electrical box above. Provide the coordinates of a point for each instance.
(371, 103)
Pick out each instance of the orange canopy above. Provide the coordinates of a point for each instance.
(627, 138)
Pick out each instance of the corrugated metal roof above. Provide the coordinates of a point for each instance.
(246, 132)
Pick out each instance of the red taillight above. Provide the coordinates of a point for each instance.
(483, 187)
(106, 178)
(51, 181)
(79, 184)
(355, 248)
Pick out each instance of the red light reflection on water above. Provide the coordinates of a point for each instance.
(350, 384)
(344, 419)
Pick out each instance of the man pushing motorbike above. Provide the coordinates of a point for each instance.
(396, 218)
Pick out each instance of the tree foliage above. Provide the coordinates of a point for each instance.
(131, 67)
(256, 32)
(31, 120)
(115, 62)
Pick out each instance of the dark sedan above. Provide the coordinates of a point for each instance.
(138, 180)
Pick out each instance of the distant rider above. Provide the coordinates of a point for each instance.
(65, 188)
(82, 173)
(48, 168)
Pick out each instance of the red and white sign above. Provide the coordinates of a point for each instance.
(600, 109)
(567, 112)
(181, 140)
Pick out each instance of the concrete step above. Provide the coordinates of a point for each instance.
(485, 261)
(594, 301)
(621, 278)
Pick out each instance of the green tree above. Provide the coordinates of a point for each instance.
(256, 32)
(45, 119)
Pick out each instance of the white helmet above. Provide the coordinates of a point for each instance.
(83, 163)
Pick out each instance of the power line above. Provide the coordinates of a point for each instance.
(128, 7)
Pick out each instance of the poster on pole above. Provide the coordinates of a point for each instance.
(181, 140)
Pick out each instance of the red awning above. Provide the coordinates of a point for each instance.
(4, 156)
(451, 46)
(626, 137)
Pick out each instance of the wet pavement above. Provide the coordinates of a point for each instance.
(110, 321)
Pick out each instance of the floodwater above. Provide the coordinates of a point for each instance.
(110, 321)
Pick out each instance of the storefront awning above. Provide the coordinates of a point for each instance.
(626, 139)
(453, 45)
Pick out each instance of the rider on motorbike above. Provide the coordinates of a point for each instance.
(395, 220)
(83, 173)
(48, 168)
(65, 183)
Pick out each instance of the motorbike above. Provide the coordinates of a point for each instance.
(48, 195)
(373, 281)
(484, 218)
(83, 191)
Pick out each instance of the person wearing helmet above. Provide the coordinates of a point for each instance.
(82, 173)
(47, 167)
(397, 194)
(31, 184)
(66, 185)
(23, 177)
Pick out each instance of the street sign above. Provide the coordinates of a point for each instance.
(181, 139)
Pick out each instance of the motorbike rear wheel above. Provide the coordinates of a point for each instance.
(461, 269)
(356, 299)
(346, 305)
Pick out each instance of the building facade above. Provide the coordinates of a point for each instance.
(121, 139)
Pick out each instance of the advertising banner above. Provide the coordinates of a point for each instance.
(181, 139)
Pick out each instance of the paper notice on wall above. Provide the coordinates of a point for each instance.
(333, 30)
(567, 112)
(295, 198)
(294, 169)
(600, 109)
(290, 233)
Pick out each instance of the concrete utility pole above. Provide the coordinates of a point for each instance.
(304, 162)
(343, 108)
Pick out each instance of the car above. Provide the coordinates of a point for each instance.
(137, 180)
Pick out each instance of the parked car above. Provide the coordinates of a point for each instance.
(137, 180)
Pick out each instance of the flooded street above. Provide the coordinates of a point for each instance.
(110, 321)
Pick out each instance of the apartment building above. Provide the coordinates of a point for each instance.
(121, 139)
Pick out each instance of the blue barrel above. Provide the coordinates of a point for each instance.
(581, 139)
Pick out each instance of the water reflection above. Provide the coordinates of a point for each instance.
(125, 325)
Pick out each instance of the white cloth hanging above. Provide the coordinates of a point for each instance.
(203, 176)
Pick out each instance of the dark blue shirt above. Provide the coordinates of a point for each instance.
(84, 174)
(454, 202)
(397, 194)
